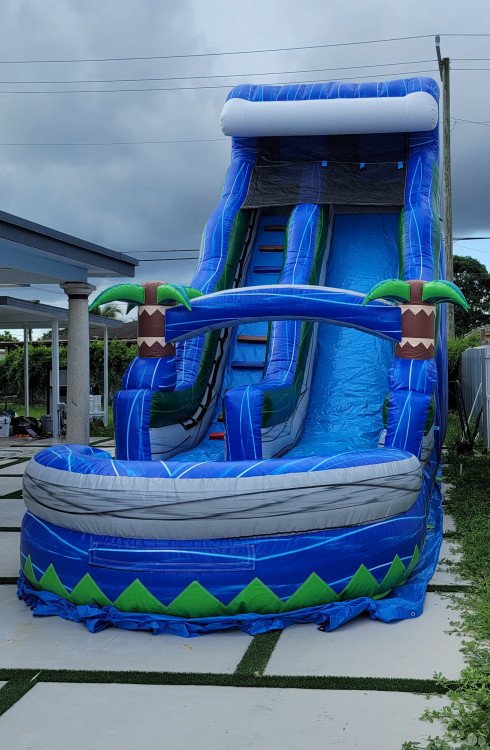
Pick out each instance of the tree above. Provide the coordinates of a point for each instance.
(474, 281)
(110, 310)
(151, 299)
(8, 336)
(417, 300)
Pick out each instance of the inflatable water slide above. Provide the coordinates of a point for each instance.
(278, 436)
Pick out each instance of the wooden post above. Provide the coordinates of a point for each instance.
(444, 69)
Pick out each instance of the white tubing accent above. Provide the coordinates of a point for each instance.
(397, 114)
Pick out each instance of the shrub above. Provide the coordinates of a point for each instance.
(455, 348)
(12, 368)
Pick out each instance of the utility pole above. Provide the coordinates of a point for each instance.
(444, 69)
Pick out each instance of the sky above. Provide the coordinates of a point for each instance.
(145, 198)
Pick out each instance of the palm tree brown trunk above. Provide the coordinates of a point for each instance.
(151, 325)
(418, 326)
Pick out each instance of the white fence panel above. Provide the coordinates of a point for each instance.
(475, 383)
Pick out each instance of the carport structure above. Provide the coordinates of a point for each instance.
(19, 313)
(35, 254)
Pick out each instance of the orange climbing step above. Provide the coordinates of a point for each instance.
(244, 338)
(271, 248)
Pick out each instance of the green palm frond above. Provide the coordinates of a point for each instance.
(392, 289)
(132, 293)
(444, 291)
(110, 310)
(177, 293)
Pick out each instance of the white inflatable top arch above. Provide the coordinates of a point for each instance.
(414, 112)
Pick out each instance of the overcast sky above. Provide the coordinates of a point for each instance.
(136, 198)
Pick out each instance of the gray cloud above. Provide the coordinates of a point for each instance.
(149, 197)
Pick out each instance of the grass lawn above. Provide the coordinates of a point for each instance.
(467, 717)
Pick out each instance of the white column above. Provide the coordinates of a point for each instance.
(78, 376)
(26, 371)
(55, 377)
(106, 377)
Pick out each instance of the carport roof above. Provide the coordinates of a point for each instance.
(17, 313)
(32, 253)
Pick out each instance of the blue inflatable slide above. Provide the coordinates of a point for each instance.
(278, 436)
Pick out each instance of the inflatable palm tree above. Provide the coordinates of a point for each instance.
(418, 300)
(152, 299)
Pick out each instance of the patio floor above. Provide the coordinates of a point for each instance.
(362, 686)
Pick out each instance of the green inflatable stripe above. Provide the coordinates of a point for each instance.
(50, 582)
(29, 572)
(393, 577)
(363, 583)
(313, 592)
(196, 601)
(137, 598)
(87, 592)
(255, 597)
(414, 560)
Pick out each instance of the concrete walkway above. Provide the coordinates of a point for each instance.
(121, 690)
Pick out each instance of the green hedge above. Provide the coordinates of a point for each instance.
(455, 348)
(12, 368)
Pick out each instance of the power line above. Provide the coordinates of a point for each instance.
(237, 52)
(221, 75)
(214, 54)
(121, 143)
(472, 122)
(162, 260)
(199, 88)
(473, 249)
(174, 250)
(159, 142)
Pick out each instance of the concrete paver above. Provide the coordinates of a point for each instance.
(53, 643)
(445, 573)
(11, 512)
(366, 648)
(450, 550)
(122, 717)
(448, 523)
(10, 556)
(10, 484)
(15, 470)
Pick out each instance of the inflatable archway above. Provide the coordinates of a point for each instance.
(278, 435)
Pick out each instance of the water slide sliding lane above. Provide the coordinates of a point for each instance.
(350, 382)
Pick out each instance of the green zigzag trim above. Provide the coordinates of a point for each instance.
(87, 592)
(195, 598)
(313, 592)
(196, 601)
(137, 598)
(50, 582)
(29, 572)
